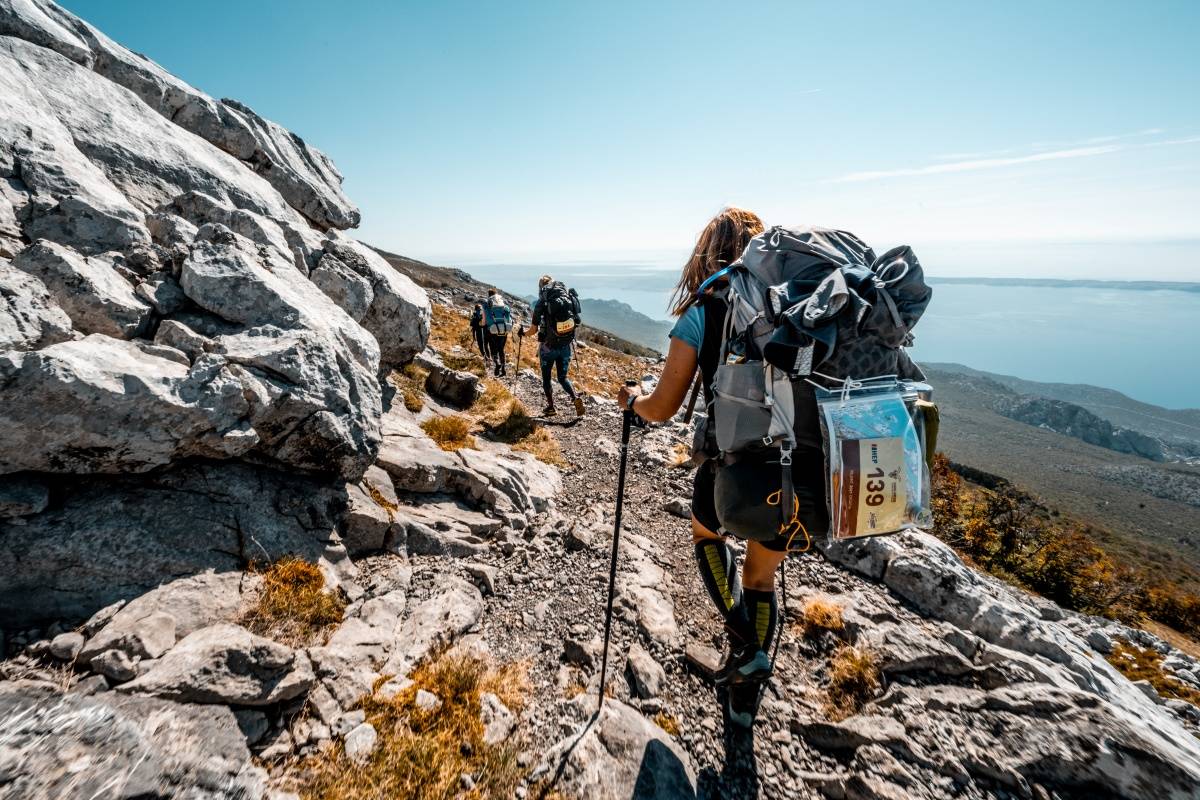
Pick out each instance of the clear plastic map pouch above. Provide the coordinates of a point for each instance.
(878, 476)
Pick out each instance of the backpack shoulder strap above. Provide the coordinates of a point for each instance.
(709, 357)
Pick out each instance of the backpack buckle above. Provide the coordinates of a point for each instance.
(785, 456)
(768, 441)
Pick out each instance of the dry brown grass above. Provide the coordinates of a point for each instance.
(668, 723)
(507, 420)
(542, 445)
(450, 433)
(293, 607)
(423, 754)
(820, 614)
(1141, 663)
(409, 381)
(854, 679)
(681, 455)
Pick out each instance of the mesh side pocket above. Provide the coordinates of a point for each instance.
(743, 418)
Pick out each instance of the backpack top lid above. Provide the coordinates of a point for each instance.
(816, 297)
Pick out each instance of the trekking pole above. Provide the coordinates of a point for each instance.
(626, 425)
(512, 383)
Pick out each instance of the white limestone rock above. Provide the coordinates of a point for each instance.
(29, 316)
(90, 290)
(227, 664)
(73, 745)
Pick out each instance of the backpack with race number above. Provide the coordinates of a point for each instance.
(499, 316)
(562, 312)
(813, 315)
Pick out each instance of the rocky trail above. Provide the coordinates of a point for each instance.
(971, 671)
(261, 535)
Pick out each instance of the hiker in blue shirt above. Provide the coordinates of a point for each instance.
(555, 318)
(497, 318)
(748, 606)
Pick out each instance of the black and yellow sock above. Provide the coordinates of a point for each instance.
(719, 573)
(762, 614)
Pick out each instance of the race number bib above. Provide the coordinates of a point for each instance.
(873, 487)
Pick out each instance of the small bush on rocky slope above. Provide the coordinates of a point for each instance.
(1005, 532)
(423, 754)
(854, 679)
(1143, 663)
(293, 606)
(820, 614)
(450, 433)
(410, 383)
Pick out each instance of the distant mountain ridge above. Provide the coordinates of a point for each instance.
(1172, 426)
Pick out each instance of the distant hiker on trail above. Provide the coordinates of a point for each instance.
(498, 319)
(479, 331)
(555, 319)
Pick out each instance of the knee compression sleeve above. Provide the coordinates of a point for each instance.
(762, 614)
(719, 573)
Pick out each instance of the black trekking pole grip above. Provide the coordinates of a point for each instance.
(626, 426)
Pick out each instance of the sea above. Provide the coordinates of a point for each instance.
(1143, 342)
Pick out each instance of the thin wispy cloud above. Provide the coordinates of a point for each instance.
(1114, 145)
(1043, 146)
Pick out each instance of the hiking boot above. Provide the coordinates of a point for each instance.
(742, 703)
(748, 664)
(578, 401)
(549, 411)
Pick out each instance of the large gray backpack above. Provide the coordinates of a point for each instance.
(806, 307)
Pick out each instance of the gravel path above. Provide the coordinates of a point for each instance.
(549, 595)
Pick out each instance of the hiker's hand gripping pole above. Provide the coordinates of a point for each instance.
(626, 426)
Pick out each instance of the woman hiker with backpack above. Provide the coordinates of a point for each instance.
(748, 606)
(555, 318)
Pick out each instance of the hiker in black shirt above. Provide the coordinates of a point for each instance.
(479, 331)
(555, 318)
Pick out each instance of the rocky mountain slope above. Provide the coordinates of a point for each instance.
(1177, 430)
(254, 534)
(1143, 509)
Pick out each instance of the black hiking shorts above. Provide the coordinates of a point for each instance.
(808, 480)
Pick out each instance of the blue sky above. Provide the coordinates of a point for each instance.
(491, 131)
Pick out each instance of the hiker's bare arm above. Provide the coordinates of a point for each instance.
(530, 331)
(661, 404)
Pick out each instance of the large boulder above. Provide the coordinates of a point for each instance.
(397, 311)
(170, 612)
(76, 747)
(90, 290)
(227, 664)
(147, 199)
(929, 576)
(110, 539)
(616, 755)
(29, 317)
(492, 476)
(69, 408)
